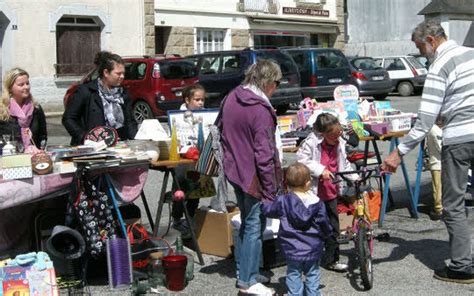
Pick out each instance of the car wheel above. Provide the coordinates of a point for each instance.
(281, 109)
(142, 111)
(380, 97)
(405, 88)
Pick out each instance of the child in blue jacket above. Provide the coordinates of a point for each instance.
(303, 229)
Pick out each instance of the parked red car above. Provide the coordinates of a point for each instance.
(155, 84)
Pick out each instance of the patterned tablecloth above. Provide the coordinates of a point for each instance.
(128, 183)
(21, 191)
(16, 197)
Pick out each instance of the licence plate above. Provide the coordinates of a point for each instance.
(335, 80)
(377, 78)
(178, 93)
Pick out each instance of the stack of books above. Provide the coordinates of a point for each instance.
(288, 143)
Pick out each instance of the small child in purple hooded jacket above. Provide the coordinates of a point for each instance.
(303, 228)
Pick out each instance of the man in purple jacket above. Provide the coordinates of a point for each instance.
(251, 163)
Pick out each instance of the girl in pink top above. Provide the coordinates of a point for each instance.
(323, 152)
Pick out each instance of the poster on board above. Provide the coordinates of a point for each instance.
(187, 123)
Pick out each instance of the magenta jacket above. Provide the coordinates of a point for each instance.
(248, 141)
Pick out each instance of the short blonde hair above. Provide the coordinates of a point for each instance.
(8, 81)
(297, 175)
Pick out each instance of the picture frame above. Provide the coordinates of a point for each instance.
(187, 132)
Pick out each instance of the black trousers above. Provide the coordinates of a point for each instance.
(178, 208)
(331, 252)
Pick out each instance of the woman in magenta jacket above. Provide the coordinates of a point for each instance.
(251, 163)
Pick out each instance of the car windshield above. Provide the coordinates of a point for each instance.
(415, 63)
(286, 63)
(365, 64)
(182, 69)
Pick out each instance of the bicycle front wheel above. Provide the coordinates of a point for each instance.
(364, 258)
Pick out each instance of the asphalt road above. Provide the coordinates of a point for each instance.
(403, 265)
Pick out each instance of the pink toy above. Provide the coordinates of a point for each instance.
(309, 104)
(178, 195)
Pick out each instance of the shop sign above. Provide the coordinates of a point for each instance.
(305, 11)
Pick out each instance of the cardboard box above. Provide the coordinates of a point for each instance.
(214, 231)
(16, 166)
(345, 221)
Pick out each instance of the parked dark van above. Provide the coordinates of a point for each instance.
(321, 70)
(222, 71)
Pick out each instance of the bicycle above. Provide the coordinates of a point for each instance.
(362, 232)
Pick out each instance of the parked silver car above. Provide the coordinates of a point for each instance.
(370, 79)
(406, 72)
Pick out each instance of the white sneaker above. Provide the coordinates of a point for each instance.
(258, 289)
(338, 267)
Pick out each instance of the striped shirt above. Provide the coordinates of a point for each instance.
(449, 92)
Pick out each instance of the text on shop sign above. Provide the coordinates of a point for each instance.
(305, 11)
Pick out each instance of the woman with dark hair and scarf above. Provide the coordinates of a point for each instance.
(101, 102)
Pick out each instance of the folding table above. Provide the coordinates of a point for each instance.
(168, 167)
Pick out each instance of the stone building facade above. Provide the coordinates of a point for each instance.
(56, 40)
(224, 25)
(384, 27)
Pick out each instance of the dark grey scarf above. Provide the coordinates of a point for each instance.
(112, 101)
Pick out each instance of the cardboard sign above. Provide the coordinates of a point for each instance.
(346, 92)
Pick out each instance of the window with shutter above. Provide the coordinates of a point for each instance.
(77, 42)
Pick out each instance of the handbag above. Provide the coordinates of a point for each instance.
(142, 245)
(198, 186)
(94, 212)
(208, 162)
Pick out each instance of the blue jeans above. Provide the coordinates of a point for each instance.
(248, 245)
(294, 277)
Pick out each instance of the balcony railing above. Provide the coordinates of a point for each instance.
(262, 6)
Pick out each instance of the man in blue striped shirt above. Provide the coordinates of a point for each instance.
(449, 94)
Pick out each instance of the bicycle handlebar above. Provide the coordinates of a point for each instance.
(364, 174)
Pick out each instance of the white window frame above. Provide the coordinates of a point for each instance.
(200, 47)
(311, 2)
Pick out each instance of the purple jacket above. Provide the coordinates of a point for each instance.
(248, 142)
(302, 229)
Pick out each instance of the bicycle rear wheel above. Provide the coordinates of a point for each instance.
(364, 257)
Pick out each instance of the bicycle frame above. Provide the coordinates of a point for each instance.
(362, 219)
(361, 215)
